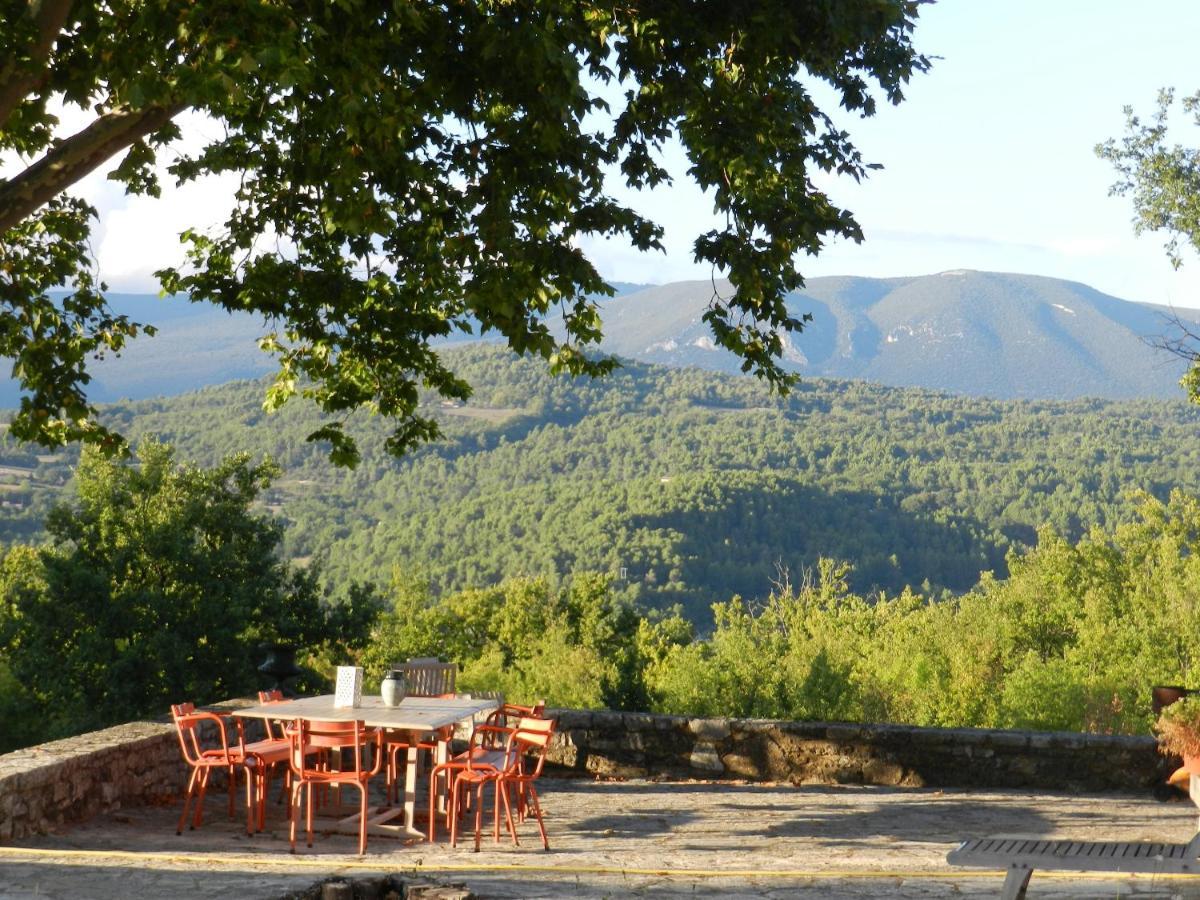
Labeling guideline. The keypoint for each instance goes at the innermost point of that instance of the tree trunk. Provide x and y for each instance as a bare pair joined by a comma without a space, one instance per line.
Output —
75,157
17,82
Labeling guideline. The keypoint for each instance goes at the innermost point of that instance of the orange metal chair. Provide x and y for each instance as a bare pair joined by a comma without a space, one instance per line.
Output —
277,731
255,759
484,754
307,739
508,713
492,735
272,725
529,742
424,676
507,770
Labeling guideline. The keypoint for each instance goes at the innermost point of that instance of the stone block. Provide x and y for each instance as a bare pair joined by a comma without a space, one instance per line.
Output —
373,888
573,719
705,758
600,765
843,732
710,730
564,755
634,741
437,892
883,772
744,765
637,721
1008,740
670,723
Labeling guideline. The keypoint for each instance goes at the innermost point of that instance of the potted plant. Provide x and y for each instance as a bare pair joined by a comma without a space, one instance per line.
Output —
1178,730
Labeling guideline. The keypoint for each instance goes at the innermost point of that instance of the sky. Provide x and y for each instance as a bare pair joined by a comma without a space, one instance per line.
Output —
988,164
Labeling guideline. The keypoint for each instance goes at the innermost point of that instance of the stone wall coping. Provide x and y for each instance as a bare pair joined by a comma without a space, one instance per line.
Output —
46,786
706,728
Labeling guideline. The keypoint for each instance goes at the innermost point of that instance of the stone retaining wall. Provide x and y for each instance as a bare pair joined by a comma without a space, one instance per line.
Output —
139,763
640,745
45,787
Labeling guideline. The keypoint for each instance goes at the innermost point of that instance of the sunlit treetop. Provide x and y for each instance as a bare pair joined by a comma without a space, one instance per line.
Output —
413,169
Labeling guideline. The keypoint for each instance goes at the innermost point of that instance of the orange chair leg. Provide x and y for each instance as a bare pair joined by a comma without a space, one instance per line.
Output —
232,785
537,811
432,811
478,814
455,812
508,817
198,815
308,820
251,787
293,812
187,799
362,821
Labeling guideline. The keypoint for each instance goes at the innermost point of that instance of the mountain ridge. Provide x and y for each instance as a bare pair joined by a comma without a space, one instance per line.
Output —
1003,335
988,334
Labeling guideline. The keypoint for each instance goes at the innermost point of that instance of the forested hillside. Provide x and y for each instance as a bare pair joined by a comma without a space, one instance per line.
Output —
687,486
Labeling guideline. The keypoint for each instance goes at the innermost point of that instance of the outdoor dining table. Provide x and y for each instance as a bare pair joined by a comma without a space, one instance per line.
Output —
416,715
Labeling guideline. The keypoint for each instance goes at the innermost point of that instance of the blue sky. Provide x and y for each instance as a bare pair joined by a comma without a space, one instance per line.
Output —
989,161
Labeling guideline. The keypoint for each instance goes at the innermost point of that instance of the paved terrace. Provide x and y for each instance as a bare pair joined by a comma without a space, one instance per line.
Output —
632,838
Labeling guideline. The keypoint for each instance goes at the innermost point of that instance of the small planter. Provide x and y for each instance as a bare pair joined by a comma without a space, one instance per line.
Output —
1163,695
1178,731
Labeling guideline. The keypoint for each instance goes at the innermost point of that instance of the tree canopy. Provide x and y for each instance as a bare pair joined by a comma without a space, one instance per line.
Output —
412,169
1163,180
158,584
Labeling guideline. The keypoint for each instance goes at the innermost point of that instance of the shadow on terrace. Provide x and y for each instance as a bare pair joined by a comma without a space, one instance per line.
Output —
95,816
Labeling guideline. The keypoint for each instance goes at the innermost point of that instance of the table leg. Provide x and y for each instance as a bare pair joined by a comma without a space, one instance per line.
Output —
410,786
442,755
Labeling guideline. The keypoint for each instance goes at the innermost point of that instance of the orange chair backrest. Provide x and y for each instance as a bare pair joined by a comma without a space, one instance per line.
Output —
267,697
187,722
307,736
506,711
534,732
531,736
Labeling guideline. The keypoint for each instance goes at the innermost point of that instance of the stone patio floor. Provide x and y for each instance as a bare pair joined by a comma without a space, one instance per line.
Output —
624,839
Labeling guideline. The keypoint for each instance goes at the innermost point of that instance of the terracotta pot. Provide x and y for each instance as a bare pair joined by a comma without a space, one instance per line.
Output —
1192,764
1164,695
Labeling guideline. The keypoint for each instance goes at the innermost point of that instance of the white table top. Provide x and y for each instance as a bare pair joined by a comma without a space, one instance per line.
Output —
413,713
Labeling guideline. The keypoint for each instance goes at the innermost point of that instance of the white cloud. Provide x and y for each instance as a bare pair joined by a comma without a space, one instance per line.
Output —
142,233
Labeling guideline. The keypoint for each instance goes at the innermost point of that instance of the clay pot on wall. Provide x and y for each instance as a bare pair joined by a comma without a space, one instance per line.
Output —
1164,695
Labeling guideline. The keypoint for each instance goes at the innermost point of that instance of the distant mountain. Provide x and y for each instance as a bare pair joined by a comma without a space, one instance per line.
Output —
197,345
979,333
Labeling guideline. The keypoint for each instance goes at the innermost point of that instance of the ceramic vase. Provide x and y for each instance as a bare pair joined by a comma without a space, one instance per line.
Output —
392,689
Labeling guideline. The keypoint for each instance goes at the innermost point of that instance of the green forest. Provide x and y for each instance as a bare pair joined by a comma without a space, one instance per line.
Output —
672,540
685,487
